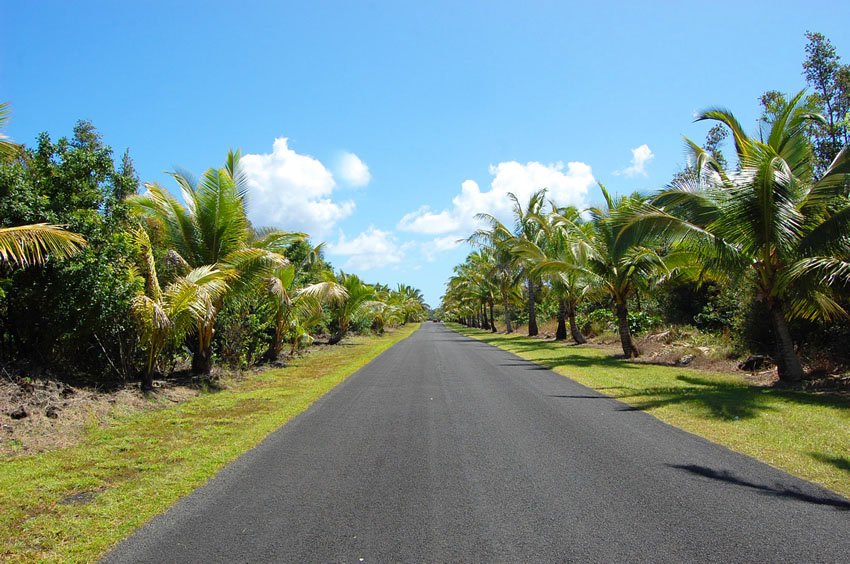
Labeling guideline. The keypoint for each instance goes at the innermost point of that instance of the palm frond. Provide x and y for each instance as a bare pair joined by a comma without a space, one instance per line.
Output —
34,244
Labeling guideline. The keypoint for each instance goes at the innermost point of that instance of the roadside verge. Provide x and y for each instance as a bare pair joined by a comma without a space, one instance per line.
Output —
73,504
806,434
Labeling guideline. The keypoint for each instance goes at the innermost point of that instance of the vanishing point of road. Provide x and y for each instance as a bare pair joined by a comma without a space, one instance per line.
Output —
445,449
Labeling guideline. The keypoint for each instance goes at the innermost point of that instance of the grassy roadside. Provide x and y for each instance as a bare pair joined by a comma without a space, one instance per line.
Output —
805,434
73,504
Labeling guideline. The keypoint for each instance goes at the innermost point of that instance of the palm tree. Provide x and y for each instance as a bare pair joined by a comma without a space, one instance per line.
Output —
213,229
498,242
297,310
8,149
471,290
554,259
359,301
33,244
617,265
769,216
528,228
166,316
410,302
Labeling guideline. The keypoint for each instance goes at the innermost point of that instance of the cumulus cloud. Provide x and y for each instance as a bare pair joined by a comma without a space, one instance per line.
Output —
567,185
292,191
352,170
370,249
424,220
430,249
641,156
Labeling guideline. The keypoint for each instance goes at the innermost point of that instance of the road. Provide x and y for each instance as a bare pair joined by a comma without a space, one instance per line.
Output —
445,449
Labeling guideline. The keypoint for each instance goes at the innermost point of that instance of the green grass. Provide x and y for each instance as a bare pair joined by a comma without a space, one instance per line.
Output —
805,434
73,504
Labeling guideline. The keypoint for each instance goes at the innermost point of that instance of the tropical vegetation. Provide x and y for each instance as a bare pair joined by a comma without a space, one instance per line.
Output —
102,282
773,225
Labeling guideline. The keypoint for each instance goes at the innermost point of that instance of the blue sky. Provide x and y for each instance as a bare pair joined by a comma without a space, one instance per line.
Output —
381,127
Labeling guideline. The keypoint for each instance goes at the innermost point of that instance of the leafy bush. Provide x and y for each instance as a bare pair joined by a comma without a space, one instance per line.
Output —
71,317
243,333
602,320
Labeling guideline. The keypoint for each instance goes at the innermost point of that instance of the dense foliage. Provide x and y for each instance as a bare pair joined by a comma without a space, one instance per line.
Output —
758,248
102,283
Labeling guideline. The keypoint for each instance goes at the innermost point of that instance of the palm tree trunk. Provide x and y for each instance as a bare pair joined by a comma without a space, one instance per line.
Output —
508,327
202,357
485,324
574,330
492,319
336,337
202,361
532,308
147,377
787,362
277,341
630,349
561,333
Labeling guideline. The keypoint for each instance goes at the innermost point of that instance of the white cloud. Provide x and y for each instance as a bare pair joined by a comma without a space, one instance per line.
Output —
424,220
438,245
641,156
291,191
370,249
352,170
567,185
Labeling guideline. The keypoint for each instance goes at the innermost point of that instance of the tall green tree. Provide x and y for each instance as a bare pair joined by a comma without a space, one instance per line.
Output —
558,258
72,316
830,81
528,228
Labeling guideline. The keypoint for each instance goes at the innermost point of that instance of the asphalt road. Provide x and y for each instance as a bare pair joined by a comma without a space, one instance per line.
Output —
445,449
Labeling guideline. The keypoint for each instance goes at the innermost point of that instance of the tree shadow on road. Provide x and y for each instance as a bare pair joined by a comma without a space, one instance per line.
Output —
777,490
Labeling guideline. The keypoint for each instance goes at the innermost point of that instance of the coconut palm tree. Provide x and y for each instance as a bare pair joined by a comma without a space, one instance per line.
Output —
769,216
165,316
470,290
213,229
33,244
614,264
410,302
554,259
8,149
527,227
297,310
498,242
477,280
359,301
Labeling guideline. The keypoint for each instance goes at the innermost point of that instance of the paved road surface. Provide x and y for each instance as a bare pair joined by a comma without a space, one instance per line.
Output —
445,449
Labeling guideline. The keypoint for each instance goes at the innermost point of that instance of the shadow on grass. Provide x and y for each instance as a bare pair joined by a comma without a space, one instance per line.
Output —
731,400
724,401
774,491
840,462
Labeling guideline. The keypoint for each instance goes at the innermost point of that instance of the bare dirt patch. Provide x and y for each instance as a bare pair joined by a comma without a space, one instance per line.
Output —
37,415
671,348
